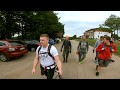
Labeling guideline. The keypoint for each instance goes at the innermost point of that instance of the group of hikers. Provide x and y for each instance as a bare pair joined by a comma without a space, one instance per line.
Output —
48,59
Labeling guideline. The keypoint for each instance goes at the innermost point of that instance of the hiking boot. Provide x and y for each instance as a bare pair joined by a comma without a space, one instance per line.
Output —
97,73
63,61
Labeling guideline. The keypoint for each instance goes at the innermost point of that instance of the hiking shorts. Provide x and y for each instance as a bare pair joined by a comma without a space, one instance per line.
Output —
65,52
103,63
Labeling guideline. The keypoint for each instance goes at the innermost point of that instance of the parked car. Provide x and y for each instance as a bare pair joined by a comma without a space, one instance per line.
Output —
57,40
51,41
32,44
11,48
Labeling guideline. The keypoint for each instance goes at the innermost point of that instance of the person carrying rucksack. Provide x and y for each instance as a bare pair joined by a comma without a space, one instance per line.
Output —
47,57
105,49
82,49
67,48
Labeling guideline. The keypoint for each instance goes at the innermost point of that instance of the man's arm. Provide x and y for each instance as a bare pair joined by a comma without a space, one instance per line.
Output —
62,45
100,48
114,48
59,65
70,46
78,46
87,46
95,45
35,62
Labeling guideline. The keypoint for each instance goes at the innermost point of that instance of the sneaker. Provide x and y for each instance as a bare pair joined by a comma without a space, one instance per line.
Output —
80,62
97,73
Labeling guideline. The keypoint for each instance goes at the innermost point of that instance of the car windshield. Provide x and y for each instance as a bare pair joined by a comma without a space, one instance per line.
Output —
35,41
16,43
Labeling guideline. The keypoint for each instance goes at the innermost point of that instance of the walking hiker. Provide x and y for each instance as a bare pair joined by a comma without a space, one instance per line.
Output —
82,49
105,50
66,48
98,41
47,56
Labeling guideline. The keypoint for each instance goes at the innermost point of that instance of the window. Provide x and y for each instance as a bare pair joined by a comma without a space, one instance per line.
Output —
16,43
2,44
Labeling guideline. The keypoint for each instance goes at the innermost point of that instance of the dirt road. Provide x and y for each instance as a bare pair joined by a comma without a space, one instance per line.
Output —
21,68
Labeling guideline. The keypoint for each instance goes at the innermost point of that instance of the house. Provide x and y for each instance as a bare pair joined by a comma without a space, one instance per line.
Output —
96,33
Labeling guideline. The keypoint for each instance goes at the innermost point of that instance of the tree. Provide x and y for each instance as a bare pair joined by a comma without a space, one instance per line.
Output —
111,24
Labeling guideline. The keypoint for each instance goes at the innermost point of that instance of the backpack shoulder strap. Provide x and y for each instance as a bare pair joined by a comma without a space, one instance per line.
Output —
39,49
80,43
103,46
49,47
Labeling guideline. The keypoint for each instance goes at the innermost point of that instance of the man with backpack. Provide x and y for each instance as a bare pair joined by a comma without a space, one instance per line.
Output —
47,56
67,48
105,49
82,49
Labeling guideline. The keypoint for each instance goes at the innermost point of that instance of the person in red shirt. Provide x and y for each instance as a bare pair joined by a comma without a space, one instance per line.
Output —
105,49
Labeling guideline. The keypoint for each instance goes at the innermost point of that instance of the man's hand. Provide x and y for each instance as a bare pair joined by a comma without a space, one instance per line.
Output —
103,49
60,72
93,50
112,50
33,71
77,52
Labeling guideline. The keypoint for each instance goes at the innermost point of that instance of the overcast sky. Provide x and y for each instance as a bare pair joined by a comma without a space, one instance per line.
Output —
77,22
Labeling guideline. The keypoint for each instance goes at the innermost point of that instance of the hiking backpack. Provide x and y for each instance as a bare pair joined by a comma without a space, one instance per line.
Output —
47,50
110,47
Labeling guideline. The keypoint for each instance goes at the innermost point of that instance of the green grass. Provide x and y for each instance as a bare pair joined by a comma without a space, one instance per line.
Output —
92,42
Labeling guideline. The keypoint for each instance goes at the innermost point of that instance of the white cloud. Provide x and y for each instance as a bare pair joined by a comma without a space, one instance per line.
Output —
77,22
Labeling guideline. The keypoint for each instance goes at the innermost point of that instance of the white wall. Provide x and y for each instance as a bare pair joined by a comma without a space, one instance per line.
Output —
96,34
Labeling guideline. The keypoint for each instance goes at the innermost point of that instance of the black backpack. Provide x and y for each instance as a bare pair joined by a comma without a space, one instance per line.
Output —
47,50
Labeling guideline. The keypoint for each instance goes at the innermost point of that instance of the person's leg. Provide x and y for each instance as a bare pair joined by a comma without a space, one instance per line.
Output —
96,56
42,70
84,55
67,54
50,73
63,55
106,63
99,66
79,54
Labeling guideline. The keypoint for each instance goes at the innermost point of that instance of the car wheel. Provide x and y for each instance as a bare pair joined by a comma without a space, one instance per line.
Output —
32,49
3,57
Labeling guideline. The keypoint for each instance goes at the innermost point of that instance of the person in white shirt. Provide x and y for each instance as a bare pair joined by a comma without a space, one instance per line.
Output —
47,63
98,42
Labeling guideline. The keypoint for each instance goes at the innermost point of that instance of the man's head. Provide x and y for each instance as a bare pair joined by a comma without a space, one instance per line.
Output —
84,37
107,39
67,37
44,39
101,38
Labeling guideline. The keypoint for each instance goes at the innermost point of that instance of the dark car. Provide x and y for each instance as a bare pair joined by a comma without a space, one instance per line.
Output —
11,48
32,44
